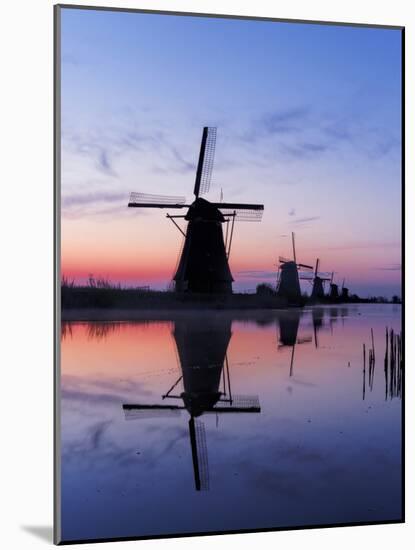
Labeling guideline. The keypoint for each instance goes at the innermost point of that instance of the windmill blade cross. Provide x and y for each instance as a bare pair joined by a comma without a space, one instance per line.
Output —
205,164
145,200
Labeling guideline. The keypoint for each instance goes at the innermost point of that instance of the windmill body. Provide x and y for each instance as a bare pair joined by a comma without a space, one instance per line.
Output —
288,285
288,325
203,266
334,291
202,348
317,292
318,289
289,282
344,297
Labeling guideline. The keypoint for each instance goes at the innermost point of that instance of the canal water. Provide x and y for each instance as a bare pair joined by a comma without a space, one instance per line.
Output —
223,422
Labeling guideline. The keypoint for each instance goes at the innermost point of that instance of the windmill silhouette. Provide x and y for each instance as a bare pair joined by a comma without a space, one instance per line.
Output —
203,265
206,383
334,289
345,292
288,278
318,283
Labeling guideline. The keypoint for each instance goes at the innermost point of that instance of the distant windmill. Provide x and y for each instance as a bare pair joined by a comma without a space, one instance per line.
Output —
318,283
203,265
334,289
206,385
288,280
345,292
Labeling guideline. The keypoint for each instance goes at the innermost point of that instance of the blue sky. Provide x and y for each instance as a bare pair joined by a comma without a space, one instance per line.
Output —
308,120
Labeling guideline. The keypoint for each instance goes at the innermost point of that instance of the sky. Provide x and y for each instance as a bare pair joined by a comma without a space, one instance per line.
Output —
308,123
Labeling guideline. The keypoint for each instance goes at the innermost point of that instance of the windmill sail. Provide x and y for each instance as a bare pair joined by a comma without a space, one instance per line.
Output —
238,404
199,454
137,412
243,214
145,200
205,164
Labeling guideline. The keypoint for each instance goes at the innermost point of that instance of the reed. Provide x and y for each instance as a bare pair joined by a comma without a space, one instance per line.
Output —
393,365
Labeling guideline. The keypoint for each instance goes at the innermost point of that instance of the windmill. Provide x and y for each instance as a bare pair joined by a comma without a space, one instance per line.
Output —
334,289
345,292
203,265
288,280
318,283
206,386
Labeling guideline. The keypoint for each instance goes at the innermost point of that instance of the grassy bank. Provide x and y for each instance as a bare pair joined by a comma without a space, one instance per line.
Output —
78,297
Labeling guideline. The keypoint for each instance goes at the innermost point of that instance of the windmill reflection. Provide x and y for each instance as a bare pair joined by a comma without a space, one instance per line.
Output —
289,323
334,315
205,384
317,314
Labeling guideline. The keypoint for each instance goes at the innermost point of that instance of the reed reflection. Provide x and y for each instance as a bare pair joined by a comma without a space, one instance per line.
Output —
393,365
205,386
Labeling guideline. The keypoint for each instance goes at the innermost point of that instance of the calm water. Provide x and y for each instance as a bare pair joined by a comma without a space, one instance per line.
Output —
232,424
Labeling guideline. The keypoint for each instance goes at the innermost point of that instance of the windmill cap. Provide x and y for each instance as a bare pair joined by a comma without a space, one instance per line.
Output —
198,402
203,209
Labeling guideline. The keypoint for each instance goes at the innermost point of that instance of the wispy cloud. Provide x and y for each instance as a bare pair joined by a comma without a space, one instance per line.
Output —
78,199
185,164
366,244
258,274
104,164
338,130
285,121
304,134
302,150
110,147
391,267
305,220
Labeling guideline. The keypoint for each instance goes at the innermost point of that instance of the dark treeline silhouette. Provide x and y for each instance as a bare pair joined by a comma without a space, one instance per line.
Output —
102,293
108,296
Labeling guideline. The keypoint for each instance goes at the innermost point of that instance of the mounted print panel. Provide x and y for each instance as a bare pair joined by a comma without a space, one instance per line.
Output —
229,274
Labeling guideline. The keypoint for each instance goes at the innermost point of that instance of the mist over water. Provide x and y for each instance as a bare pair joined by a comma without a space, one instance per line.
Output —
264,421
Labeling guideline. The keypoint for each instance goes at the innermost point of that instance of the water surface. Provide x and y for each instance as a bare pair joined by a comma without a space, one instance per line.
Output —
229,424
